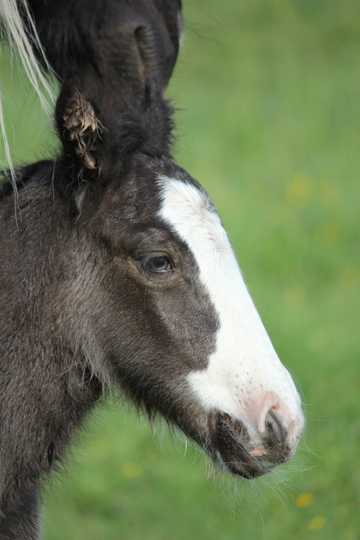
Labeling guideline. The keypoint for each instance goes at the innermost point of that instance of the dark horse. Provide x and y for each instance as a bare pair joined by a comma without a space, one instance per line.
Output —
113,44
115,270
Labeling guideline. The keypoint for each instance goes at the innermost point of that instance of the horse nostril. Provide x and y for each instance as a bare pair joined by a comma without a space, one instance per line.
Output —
274,428
148,50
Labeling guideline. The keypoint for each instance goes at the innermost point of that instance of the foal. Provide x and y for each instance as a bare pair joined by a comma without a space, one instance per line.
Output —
115,269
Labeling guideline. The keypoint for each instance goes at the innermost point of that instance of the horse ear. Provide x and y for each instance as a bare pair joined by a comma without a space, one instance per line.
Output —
80,130
147,129
93,144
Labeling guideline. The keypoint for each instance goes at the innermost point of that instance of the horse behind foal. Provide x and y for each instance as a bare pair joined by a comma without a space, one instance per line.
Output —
115,269
114,45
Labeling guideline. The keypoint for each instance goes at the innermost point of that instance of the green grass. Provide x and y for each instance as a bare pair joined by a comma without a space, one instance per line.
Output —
269,124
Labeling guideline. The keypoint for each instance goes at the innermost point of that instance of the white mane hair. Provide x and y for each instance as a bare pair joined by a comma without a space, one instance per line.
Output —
21,43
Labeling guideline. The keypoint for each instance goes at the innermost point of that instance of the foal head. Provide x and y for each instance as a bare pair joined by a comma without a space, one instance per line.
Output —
159,303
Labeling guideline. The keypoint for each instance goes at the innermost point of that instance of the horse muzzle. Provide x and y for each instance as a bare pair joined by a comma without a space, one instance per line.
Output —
249,453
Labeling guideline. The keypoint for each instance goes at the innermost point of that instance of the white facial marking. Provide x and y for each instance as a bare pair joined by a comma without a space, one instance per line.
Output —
244,377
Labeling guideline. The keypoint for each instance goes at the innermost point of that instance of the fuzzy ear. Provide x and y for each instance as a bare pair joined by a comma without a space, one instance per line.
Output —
94,146
80,130
149,129
156,115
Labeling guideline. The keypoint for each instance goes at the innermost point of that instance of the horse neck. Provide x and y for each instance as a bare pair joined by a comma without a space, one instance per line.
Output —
47,385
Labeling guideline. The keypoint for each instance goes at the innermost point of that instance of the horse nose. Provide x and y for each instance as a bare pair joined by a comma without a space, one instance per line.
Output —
278,425
275,430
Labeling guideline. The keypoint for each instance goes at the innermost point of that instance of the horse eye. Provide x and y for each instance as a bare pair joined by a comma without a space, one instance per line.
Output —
158,264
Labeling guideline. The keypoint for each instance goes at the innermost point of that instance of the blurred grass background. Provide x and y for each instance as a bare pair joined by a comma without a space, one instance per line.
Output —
269,92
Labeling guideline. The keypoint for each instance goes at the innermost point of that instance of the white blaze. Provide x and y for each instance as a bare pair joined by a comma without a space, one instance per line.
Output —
244,377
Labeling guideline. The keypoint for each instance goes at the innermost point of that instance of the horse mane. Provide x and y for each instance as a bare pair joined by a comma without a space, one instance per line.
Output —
22,40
